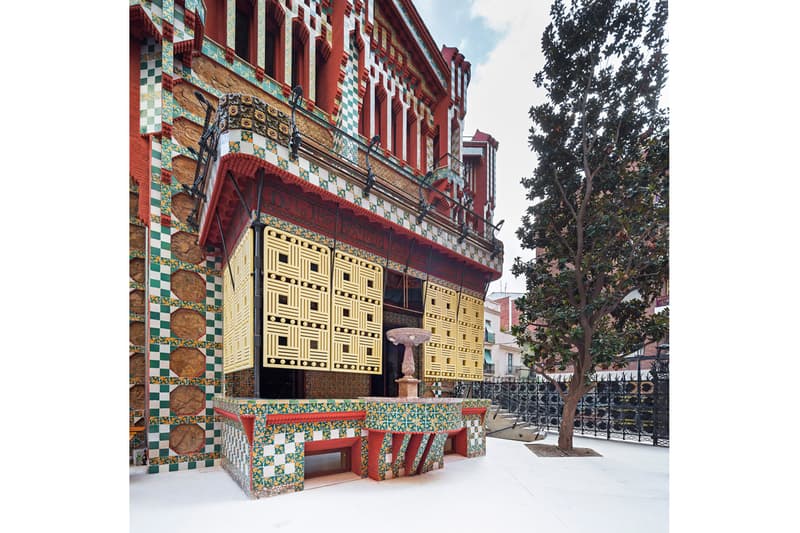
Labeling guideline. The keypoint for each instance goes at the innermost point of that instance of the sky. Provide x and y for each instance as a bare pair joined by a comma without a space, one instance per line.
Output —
503,46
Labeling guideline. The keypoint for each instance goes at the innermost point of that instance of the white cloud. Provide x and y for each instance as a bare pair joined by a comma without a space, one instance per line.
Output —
500,94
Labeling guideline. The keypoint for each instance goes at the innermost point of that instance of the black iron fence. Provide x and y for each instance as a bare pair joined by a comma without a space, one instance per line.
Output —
630,406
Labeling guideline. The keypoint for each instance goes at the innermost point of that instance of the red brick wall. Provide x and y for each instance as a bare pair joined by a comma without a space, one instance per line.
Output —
508,317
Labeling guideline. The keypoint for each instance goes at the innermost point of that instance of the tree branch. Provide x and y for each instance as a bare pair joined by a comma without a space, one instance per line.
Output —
555,383
564,196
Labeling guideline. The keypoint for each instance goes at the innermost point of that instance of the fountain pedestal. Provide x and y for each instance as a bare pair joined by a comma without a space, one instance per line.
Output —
409,337
407,387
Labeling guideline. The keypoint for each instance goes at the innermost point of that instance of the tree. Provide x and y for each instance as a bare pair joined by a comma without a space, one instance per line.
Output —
599,213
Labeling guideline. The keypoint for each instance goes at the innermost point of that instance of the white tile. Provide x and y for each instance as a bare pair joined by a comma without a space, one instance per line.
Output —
280,459
299,437
269,471
334,433
280,438
317,435
289,468
289,448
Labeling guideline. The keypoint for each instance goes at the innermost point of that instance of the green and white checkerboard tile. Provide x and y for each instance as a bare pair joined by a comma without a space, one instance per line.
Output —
167,10
154,11
348,109
182,31
150,88
476,438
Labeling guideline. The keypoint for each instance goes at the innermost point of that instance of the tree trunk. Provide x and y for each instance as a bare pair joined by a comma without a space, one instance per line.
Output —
568,418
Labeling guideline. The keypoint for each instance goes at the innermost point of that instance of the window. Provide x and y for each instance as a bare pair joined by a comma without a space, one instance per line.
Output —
397,129
299,62
244,23
488,332
411,138
379,119
510,363
363,117
271,46
320,81
215,21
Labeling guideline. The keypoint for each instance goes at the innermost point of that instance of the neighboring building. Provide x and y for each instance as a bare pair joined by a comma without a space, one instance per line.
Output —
502,355
509,314
273,243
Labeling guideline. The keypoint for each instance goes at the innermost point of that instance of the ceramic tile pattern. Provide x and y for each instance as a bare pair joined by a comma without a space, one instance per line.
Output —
233,141
150,88
277,452
157,110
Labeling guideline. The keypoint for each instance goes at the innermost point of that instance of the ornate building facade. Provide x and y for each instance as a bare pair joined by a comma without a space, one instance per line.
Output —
299,185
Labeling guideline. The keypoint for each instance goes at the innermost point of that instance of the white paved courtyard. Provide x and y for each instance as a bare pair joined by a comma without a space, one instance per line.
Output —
626,490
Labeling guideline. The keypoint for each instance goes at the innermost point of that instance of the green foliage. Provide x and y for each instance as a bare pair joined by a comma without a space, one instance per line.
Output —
599,213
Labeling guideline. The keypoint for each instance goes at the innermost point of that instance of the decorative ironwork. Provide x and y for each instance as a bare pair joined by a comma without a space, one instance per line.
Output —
205,159
625,407
295,141
370,176
424,207
495,242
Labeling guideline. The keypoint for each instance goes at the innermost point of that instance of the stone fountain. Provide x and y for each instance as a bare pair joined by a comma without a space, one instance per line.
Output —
409,337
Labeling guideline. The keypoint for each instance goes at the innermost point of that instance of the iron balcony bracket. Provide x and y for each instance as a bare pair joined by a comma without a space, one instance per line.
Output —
295,141
370,176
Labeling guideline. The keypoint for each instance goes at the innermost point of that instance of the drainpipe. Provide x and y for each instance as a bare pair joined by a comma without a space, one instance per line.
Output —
258,289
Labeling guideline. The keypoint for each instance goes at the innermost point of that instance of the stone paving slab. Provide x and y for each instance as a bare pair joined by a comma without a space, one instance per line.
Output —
625,490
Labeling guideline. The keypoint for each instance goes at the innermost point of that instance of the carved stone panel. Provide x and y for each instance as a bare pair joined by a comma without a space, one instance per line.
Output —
183,169
137,397
187,362
185,248
137,333
136,269
137,237
137,366
188,324
187,438
187,400
136,299
188,286
182,206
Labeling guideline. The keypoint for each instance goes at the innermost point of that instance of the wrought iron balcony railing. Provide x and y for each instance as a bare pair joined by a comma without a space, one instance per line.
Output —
250,113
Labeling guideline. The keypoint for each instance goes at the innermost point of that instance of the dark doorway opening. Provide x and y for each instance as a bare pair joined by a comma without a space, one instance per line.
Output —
281,384
327,462
384,384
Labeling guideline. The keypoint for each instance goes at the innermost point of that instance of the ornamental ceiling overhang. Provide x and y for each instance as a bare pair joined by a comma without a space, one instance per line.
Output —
301,201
